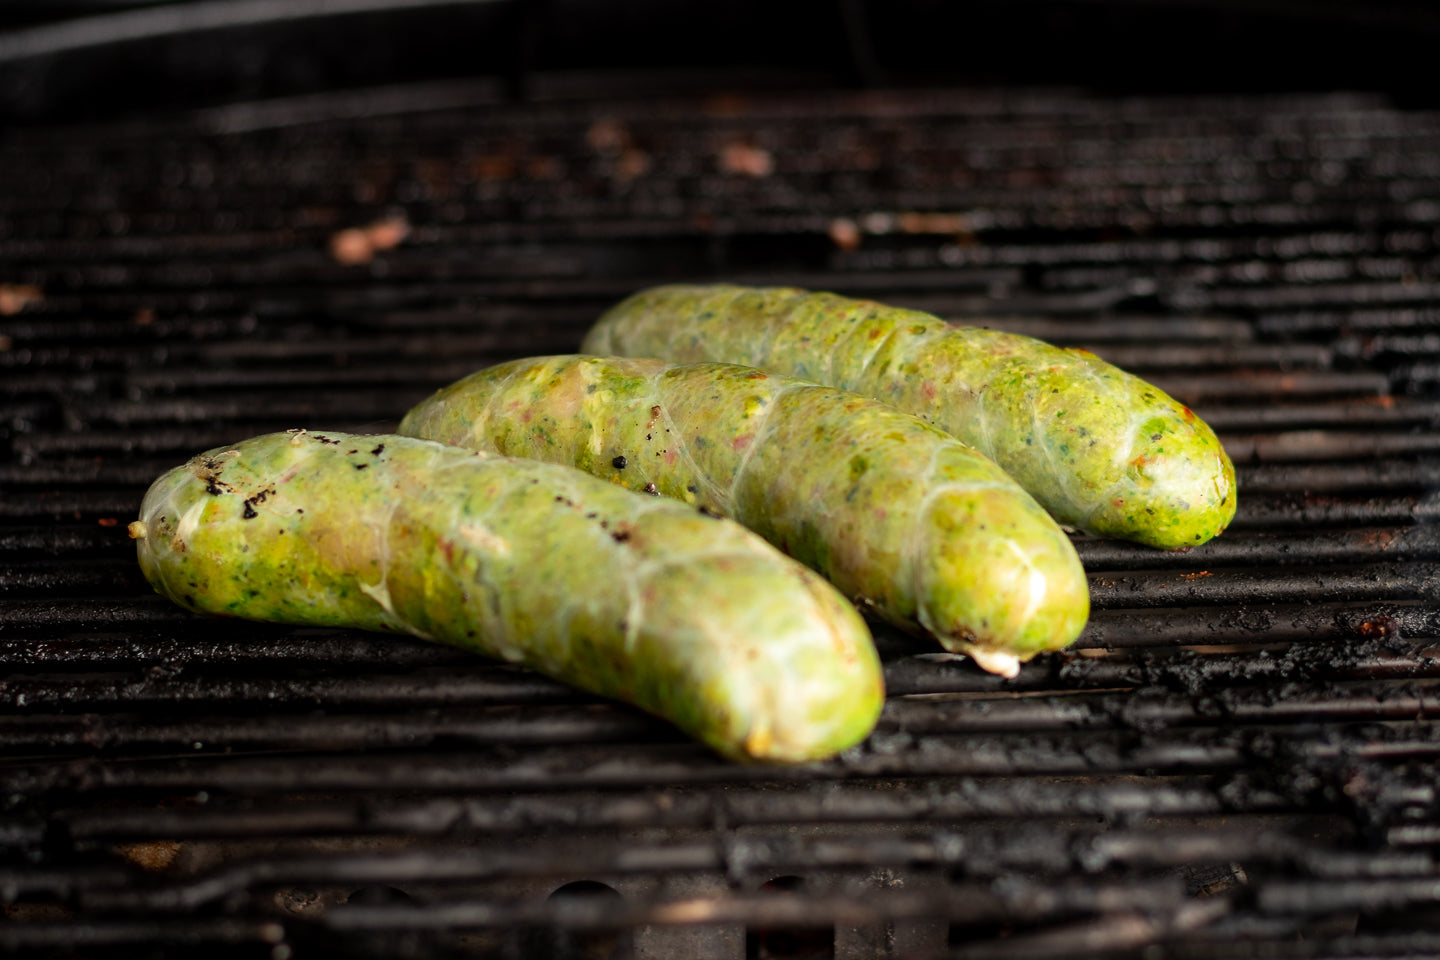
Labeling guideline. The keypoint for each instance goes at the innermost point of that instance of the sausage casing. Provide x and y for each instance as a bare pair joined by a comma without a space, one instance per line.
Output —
906,520
1102,450
637,598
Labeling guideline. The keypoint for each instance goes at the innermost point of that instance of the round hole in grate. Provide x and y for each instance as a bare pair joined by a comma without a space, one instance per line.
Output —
557,942
377,894
791,942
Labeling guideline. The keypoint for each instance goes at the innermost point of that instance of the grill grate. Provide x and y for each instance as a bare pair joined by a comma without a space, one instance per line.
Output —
1238,759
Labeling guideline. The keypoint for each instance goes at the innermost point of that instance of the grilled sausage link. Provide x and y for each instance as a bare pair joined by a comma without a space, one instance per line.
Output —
1101,449
638,598
903,518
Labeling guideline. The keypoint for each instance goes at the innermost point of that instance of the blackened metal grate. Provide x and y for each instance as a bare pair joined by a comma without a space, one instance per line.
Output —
1239,759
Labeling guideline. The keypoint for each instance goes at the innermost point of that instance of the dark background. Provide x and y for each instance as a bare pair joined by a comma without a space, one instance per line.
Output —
188,53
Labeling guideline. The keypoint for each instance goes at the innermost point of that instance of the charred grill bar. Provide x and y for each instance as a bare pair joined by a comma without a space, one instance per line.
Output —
1239,758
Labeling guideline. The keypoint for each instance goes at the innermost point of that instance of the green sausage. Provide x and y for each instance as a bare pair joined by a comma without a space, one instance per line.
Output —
637,598
1102,450
905,519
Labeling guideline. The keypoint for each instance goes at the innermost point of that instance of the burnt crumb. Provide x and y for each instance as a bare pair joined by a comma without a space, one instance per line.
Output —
619,463
250,502
210,469
591,516
565,500
1379,627
351,453
317,436
691,488
189,600
707,511
651,489
620,536
379,449
1156,436
361,466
